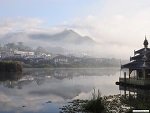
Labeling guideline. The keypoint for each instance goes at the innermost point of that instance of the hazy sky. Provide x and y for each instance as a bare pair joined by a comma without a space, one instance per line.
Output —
116,24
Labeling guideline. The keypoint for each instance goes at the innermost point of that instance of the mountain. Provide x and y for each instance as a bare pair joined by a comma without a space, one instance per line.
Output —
56,50
65,37
63,42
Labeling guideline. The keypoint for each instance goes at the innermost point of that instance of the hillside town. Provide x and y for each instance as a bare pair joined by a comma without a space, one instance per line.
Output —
39,57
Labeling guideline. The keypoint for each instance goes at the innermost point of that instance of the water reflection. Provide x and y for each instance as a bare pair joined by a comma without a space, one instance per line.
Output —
131,99
136,98
30,92
11,76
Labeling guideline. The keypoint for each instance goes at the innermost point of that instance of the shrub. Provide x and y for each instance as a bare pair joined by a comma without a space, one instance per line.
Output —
10,66
94,105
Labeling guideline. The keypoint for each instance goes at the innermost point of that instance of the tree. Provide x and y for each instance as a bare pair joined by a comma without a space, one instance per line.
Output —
39,50
22,47
11,46
20,44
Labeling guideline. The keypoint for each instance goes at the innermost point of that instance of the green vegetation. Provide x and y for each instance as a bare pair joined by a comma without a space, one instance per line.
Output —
142,102
84,63
41,66
94,105
97,63
106,104
10,66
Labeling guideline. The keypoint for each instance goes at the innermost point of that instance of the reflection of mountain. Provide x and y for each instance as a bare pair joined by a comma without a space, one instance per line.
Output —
69,73
63,92
23,81
45,77
38,86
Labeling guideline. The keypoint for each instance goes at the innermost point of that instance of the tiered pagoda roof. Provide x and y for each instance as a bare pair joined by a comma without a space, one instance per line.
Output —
141,58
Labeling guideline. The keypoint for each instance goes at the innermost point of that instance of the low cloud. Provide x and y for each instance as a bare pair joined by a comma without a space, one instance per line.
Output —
19,23
114,35
119,26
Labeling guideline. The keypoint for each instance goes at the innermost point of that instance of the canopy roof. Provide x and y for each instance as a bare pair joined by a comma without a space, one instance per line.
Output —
141,51
136,65
140,57
141,60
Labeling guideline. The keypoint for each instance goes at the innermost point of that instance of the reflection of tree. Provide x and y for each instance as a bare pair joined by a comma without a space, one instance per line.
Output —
70,73
40,75
9,79
11,76
73,72
22,83
9,84
19,87
40,80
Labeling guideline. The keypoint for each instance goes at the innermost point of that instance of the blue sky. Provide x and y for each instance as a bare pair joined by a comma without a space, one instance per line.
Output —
54,11
115,24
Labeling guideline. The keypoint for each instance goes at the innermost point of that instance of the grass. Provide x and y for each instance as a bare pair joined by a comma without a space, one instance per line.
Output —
94,105
98,104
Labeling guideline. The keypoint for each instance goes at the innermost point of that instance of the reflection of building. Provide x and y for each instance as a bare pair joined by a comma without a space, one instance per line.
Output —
61,59
126,90
62,75
139,68
136,98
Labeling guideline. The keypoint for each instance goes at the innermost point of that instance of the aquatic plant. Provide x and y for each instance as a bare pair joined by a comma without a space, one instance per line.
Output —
94,105
99,104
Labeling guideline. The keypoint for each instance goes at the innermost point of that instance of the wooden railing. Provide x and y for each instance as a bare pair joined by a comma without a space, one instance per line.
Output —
135,81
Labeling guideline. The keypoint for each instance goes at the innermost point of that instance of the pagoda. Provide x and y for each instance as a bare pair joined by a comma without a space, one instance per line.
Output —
138,68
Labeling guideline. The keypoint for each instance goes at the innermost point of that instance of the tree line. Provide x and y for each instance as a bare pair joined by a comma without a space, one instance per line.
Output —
21,47
10,66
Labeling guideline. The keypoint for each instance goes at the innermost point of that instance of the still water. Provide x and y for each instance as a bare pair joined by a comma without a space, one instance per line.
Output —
46,90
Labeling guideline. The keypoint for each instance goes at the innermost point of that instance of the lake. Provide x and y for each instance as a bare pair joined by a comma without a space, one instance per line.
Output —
46,90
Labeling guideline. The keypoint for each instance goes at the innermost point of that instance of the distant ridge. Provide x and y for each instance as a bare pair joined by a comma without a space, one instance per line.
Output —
66,36
66,41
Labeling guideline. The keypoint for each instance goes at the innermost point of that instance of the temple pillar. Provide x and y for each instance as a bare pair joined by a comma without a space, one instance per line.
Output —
130,71
124,77
144,73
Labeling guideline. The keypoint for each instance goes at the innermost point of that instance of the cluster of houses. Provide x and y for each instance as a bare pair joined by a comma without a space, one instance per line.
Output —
31,57
34,58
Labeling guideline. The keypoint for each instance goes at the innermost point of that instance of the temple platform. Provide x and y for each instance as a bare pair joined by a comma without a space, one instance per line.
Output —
139,83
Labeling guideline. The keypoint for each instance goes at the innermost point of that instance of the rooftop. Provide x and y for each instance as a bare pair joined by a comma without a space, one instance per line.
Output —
141,58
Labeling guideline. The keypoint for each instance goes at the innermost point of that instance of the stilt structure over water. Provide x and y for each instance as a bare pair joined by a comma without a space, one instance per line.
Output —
138,68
